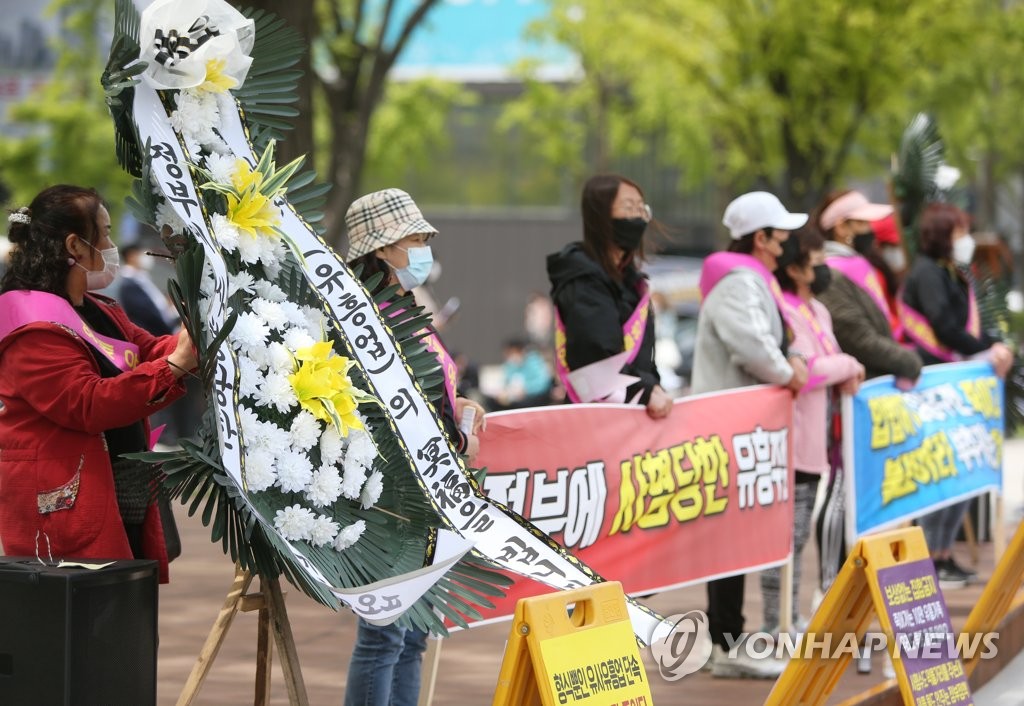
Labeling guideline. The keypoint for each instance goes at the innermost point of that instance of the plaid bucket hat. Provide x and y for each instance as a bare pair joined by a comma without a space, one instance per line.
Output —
382,218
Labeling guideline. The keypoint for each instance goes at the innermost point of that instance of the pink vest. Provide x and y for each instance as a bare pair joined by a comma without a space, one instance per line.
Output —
22,307
632,336
718,265
918,330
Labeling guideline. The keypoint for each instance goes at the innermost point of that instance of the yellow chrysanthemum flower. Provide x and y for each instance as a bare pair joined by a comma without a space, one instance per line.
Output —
216,80
250,210
324,389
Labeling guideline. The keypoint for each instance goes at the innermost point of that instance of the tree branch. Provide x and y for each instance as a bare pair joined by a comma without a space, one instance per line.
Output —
357,21
414,20
385,20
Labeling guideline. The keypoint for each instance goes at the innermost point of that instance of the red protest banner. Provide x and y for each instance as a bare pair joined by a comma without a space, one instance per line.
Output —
654,504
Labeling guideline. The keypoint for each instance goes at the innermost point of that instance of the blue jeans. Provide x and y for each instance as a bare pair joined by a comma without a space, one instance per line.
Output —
385,666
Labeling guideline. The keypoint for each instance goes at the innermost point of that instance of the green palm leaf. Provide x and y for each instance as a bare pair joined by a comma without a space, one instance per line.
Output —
920,155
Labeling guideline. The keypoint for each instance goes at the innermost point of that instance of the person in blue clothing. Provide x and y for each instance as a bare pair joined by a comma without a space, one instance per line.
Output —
527,377
388,235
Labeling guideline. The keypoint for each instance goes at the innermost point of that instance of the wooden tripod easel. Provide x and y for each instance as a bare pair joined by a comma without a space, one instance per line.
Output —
273,618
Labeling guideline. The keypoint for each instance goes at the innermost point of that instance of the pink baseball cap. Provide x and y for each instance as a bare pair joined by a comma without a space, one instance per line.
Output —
853,206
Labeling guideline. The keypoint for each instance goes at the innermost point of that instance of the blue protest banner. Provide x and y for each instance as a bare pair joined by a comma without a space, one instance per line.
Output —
908,453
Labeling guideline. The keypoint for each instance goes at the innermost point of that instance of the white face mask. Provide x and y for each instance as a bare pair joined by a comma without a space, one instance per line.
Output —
421,259
895,258
100,279
963,249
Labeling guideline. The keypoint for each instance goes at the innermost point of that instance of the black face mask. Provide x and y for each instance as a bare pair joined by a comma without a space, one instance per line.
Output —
863,241
790,252
822,279
628,232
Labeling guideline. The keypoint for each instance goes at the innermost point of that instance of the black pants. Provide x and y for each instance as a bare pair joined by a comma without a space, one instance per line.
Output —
725,609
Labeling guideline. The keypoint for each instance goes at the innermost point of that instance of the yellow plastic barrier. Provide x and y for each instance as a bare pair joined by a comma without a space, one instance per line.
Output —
885,575
588,657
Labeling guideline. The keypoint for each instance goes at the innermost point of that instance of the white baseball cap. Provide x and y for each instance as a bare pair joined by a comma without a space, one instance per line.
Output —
759,209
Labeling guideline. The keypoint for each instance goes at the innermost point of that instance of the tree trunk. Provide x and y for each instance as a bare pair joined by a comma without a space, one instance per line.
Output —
348,155
299,15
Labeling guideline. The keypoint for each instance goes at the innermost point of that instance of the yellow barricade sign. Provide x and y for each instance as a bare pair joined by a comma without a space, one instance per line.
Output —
589,657
889,576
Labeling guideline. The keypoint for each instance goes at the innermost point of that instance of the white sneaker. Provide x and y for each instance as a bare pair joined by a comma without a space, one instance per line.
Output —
864,664
742,666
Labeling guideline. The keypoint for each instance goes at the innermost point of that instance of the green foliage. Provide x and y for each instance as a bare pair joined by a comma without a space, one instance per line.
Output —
66,132
984,86
795,95
409,130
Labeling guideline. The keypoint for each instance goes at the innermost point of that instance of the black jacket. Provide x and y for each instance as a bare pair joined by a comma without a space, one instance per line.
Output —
593,308
940,294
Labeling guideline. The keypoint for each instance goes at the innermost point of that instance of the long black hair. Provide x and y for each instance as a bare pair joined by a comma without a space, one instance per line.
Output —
596,205
39,259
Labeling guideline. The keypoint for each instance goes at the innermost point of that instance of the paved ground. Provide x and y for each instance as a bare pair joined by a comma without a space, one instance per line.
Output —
469,660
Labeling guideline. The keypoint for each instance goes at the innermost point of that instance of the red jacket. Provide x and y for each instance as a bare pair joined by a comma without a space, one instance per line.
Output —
55,474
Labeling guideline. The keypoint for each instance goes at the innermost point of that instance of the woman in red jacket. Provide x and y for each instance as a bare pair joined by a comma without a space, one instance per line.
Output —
77,380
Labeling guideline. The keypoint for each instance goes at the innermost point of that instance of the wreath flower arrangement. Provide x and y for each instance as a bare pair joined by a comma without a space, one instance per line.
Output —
323,482
308,462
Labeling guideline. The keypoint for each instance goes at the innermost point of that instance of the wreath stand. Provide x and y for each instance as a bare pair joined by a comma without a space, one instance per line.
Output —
273,619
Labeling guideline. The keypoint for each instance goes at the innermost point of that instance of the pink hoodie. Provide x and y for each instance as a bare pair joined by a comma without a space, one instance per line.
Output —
810,410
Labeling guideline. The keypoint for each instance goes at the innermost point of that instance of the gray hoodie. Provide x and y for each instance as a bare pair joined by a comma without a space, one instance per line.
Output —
739,336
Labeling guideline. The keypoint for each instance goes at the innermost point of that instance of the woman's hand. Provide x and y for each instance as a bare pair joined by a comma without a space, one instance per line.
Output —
479,421
472,448
183,359
852,384
660,404
1001,357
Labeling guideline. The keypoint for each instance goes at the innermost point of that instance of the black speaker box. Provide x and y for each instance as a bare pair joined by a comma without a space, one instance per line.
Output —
78,637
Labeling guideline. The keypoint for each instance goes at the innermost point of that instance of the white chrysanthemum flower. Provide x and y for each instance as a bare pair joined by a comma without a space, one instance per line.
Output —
305,431
199,107
270,312
350,535
270,291
221,167
355,476
325,487
314,319
250,377
294,471
167,216
332,446
193,146
249,332
277,392
176,120
268,248
372,490
297,339
225,232
323,532
248,424
259,469
360,447
280,359
206,285
295,523
241,281
275,437
248,249
295,315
